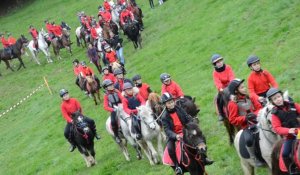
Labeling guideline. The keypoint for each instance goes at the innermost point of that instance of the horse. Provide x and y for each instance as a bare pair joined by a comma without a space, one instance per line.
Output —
124,132
83,138
267,139
63,43
43,46
150,130
189,105
16,53
92,88
193,150
132,30
81,37
137,12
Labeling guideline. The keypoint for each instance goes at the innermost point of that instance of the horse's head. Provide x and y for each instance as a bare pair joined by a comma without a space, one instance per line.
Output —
192,136
147,116
23,40
79,123
66,32
155,103
189,106
90,79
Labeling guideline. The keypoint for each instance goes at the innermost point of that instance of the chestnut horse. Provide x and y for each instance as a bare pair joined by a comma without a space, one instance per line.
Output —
92,88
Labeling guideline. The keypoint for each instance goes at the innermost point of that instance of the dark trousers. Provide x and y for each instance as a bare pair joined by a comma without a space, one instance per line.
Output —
220,105
114,123
151,4
77,82
172,153
136,124
287,147
249,137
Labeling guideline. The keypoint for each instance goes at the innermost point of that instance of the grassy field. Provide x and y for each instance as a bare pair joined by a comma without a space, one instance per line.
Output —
179,38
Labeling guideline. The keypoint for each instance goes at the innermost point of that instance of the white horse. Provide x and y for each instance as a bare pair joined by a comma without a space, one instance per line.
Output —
267,139
80,37
126,135
150,130
115,15
43,46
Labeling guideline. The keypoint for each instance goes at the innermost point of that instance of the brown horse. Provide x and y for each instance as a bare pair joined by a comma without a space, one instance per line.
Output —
138,15
92,88
16,53
63,42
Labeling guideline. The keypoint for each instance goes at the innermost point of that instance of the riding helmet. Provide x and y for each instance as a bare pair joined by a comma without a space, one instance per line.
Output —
166,97
106,83
83,63
272,91
164,77
107,47
127,85
76,61
215,58
118,72
136,77
252,59
62,92
104,68
234,84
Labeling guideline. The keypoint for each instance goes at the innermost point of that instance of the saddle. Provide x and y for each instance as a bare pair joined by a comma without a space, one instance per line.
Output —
179,153
294,168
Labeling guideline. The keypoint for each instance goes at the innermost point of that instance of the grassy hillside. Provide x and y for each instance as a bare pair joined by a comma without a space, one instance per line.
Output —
179,38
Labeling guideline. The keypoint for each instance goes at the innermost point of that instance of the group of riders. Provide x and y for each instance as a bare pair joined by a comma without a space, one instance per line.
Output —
242,108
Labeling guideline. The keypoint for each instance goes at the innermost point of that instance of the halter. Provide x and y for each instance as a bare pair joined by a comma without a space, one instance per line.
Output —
85,136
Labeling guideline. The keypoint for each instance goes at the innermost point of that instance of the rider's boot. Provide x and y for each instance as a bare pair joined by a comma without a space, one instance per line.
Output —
251,150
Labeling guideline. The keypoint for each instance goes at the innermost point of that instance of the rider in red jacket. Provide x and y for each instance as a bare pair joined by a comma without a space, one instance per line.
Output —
170,86
87,71
144,88
49,28
35,34
125,15
106,6
108,75
6,45
77,69
68,107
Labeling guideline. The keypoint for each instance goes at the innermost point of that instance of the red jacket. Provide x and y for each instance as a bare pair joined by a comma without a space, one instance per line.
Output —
260,82
177,123
144,91
106,16
11,40
68,107
126,14
277,126
106,102
222,79
233,112
77,70
87,71
106,6
121,2
4,42
173,88
94,33
110,76
57,30
34,33
49,28
111,56
125,104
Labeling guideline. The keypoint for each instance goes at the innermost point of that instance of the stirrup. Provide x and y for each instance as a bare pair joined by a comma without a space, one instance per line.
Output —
178,171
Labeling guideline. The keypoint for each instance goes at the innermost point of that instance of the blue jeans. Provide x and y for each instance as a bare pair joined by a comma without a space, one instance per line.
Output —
120,56
287,147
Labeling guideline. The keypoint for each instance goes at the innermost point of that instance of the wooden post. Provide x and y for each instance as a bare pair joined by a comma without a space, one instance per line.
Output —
46,82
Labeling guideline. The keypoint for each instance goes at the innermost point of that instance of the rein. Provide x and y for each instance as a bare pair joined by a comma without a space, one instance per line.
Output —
85,136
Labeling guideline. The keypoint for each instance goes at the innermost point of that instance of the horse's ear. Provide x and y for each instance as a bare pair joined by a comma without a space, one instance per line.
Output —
194,99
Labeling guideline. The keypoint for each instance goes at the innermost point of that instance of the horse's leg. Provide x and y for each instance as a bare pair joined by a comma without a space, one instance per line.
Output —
229,130
78,41
153,152
94,97
135,44
21,63
146,150
8,65
159,144
98,95
140,40
36,57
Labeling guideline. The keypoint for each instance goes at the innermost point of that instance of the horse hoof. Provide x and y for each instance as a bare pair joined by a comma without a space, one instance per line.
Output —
139,157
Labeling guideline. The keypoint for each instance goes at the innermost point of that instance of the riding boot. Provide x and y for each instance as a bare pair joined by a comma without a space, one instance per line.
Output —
116,135
251,152
288,163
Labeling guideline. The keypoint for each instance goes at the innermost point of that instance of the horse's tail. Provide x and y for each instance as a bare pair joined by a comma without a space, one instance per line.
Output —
275,158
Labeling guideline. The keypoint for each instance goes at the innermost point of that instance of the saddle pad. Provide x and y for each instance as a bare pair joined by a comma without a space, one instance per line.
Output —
295,157
166,157
281,162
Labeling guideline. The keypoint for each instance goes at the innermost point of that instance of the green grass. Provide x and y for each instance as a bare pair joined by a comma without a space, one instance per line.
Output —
179,38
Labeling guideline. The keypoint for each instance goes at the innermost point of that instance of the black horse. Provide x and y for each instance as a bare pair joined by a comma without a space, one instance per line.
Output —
83,138
132,30
16,52
193,150
190,107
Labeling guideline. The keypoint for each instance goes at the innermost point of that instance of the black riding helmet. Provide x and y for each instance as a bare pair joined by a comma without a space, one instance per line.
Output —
76,61
118,72
252,59
271,92
136,77
215,58
106,83
62,92
104,68
164,77
127,85
234,84
166,97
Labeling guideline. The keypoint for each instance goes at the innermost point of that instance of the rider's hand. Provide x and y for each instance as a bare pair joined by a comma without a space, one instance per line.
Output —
261,99
178,137
292,130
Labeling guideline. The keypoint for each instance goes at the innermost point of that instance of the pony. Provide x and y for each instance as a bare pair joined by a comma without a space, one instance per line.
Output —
63,43
132,30
43,46
267,139
189,105
193,150
124,132
16,53
92,88
81,36
84,138
150,130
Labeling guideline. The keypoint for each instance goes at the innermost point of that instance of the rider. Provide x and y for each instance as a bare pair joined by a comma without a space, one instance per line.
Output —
6,46
108,75
259,80
170,86
49,28
144,88
57,30
77,69
222,76
11,40
69,106
106,6
116,43
94,57
106,16
94,35
130,101
285,122
112,98
35,34
173,120
110,55
242,112
125,16
120,79
87,71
